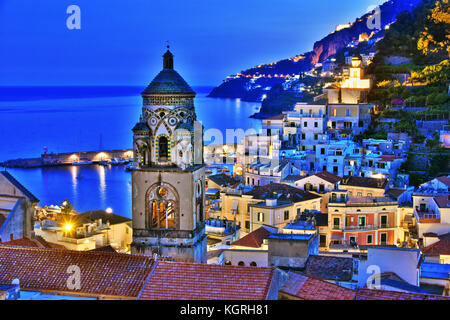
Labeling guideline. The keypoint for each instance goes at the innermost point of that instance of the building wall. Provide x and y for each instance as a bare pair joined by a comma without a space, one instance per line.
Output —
400,261
247,256
359,192
316,182
17,224
291,253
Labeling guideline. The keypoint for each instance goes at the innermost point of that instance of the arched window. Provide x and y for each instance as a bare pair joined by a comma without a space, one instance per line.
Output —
228,263
163,145
241,263
253,264
161,207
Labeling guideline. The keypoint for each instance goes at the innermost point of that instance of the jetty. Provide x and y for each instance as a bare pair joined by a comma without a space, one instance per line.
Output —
68,158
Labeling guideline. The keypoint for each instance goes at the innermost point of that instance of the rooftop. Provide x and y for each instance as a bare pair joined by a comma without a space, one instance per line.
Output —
445,180
442,247
92,216
189,281
19,186
36,242
291,236
307,288
254,239
282,192
329,268
364,182
327,176
103,274
368,294
168,81
223,180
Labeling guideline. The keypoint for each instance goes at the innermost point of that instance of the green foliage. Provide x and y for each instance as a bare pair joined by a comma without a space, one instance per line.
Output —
438,163
416,179
435,39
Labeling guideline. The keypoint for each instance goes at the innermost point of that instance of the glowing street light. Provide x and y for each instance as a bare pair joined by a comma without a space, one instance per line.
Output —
109,210
68,227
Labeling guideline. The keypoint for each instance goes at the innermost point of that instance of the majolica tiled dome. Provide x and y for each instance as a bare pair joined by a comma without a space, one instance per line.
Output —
168,81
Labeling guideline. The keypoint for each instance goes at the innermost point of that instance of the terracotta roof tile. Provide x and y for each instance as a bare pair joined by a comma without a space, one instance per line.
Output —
329,268
368,294
364,182
307,288
395,192
254,239
386,157
286,192
440,247
327,176
189,281
37,242
107,248
102,274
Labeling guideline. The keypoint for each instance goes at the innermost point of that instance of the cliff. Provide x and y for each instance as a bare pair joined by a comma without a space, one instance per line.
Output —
253,84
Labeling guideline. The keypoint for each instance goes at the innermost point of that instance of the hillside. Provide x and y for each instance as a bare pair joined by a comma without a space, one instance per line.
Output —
255,83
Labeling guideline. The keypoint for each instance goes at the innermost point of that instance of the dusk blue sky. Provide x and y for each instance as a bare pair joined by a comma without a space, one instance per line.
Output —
121,42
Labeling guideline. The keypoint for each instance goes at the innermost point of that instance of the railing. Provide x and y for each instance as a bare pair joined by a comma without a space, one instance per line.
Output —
367,226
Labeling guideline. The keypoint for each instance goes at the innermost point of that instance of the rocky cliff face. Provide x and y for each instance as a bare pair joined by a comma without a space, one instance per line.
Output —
336,41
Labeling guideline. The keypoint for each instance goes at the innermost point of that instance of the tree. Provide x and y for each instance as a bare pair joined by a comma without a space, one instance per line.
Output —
66,210
435,39
438,163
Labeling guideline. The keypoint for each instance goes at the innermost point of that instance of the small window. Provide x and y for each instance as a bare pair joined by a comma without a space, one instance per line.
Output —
286,215
305,124
336,223
253,264
260,217
359,194
241,263
316,124
228,263
369,239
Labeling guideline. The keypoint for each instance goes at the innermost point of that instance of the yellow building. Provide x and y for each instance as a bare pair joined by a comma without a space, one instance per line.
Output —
274,205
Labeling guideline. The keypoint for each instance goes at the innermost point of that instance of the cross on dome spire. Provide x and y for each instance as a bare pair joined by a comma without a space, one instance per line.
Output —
168,58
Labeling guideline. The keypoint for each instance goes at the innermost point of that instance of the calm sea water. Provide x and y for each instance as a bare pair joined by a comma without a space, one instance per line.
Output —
86,119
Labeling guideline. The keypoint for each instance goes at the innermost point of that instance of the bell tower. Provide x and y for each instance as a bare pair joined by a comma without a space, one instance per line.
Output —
168,178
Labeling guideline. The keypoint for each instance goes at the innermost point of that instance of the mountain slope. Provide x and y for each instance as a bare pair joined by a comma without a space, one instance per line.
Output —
252,84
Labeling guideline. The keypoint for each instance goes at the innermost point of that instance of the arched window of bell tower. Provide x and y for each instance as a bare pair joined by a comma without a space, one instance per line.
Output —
163,148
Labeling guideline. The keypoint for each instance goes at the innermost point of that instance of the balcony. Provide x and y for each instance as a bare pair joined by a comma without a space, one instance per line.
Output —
427,216
365,227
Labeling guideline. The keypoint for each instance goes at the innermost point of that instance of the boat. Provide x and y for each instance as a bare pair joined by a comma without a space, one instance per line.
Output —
82,162
104,163
118,162
129,167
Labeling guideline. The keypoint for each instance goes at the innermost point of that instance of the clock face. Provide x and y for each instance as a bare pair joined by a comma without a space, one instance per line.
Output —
153,121
173,121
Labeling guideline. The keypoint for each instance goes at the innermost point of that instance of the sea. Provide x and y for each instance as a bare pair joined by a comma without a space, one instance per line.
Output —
74,119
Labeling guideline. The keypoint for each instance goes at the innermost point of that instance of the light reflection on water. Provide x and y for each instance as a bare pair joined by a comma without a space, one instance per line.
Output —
92,187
